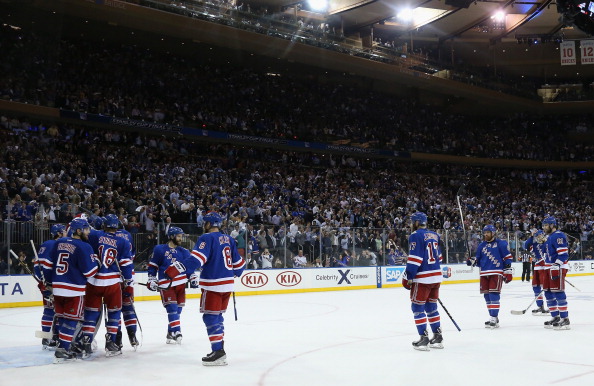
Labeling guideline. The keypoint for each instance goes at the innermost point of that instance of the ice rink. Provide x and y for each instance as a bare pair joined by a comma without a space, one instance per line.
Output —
357,337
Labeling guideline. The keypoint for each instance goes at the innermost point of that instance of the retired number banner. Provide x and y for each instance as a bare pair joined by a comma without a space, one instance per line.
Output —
568,54
587,50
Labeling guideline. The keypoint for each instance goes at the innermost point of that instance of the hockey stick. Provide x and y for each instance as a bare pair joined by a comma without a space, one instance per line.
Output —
515,312
460,191
37,262
447,312
234,306
568,282
25,266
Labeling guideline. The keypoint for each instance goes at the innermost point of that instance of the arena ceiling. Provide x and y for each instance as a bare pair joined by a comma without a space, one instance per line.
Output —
438,21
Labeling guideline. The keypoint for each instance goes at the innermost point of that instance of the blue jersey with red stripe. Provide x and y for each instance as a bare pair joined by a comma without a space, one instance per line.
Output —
43,259
493,256
71,264
163,257
114,255
539,251
557,249
128,236
216,253
424,257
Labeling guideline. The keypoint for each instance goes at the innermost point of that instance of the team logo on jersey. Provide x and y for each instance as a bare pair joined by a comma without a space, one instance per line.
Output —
288,278
446,272
254,280
393,274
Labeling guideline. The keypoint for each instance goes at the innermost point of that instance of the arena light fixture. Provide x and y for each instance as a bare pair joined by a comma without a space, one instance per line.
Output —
318,5
405,15
499,17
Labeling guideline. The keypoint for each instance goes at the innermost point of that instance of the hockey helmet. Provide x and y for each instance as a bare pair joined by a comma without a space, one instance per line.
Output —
489,228
98,224
549,221
420,217
111,221
79,223
174,231
213,218
57,228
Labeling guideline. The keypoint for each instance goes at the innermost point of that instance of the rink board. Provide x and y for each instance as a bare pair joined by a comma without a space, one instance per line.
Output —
21,290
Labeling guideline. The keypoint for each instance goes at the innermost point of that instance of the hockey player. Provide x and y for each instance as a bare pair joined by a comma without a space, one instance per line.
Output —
106,286
57,231
535,244
173,292
128,310
72,262
494,259
556,268
217,255
422,277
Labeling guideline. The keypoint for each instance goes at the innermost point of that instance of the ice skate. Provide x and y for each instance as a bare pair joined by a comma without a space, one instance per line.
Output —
118,340
112,349
492,323
422,343
436,341
562,324
174,337
215,358
86,347
540,311
549,323
61,356
49,344
132,337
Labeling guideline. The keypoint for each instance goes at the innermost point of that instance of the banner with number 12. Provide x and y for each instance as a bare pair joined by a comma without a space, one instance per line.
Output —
587,51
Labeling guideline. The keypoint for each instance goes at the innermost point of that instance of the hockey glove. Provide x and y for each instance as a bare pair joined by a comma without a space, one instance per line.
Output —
151,283
555,272
507,275
194,281
471,261
128,288
175,269
405,282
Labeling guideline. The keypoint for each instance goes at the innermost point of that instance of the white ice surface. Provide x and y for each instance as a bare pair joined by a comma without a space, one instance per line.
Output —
328,338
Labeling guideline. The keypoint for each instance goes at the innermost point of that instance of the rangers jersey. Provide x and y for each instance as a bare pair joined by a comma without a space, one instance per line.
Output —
163,257
71,262
114,256
493,256
557,249
44,260
216,253
128,236
539,252
424,257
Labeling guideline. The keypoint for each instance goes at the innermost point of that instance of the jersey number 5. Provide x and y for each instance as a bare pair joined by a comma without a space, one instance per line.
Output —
432,252
62,264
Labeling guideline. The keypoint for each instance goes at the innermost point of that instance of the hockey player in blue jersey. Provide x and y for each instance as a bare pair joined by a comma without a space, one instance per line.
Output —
217,255
57,231
128,310
556,267
173,292
72,263
422,277
494,259
106,286
536,245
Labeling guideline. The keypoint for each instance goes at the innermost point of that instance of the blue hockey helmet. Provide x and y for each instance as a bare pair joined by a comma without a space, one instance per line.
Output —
213,218
111,221
57,228
420,217
98,224
489,228
174,231
540,236
78,223
549,221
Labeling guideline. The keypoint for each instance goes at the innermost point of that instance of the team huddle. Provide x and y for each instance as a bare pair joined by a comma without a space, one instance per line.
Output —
86,273
422,276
